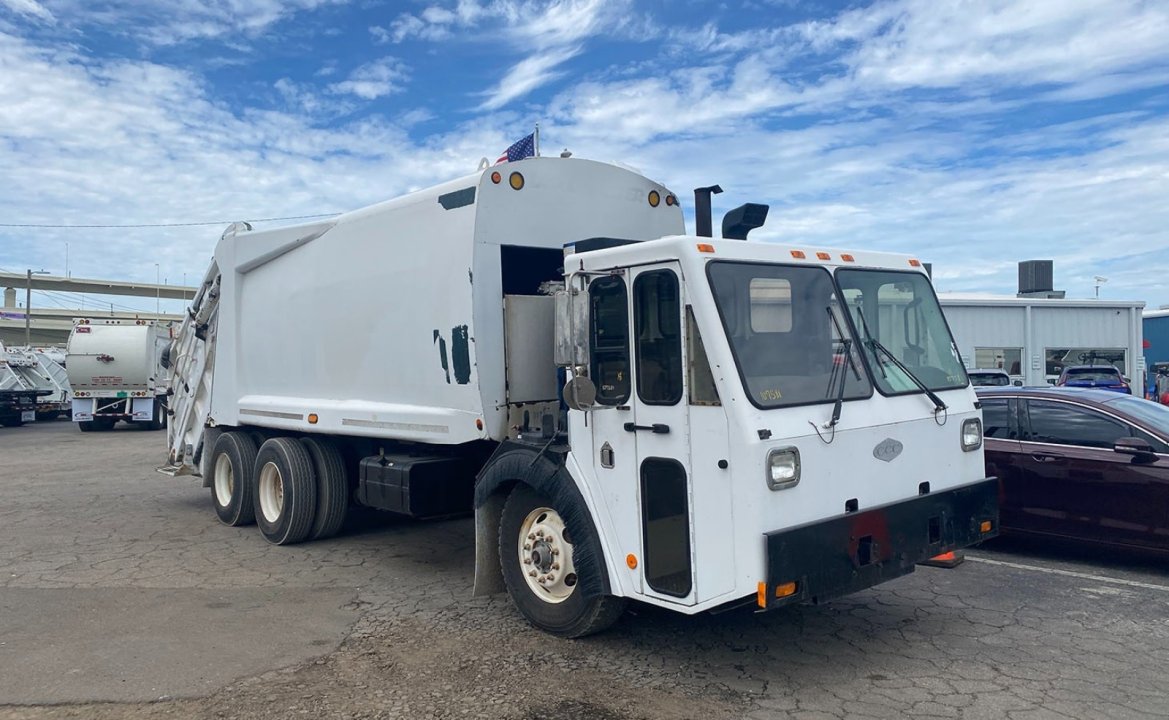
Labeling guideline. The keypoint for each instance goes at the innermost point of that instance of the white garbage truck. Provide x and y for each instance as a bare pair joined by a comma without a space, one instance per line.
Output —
631,413
116,372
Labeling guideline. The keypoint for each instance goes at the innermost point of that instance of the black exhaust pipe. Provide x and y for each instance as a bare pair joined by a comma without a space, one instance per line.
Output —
702,223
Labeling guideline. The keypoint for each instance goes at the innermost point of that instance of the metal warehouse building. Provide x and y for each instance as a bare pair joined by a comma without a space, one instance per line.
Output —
1035,335
1156,329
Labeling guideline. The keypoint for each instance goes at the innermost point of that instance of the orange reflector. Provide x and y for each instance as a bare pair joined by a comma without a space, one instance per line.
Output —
785,590
312,418
761,595
478,424
944,557
705,247
798,254
496,177
823,256
654,198
516,180
986,526
847,258
915,263
631,561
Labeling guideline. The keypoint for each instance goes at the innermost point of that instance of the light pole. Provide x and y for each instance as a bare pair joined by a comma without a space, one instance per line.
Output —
28,304
157,291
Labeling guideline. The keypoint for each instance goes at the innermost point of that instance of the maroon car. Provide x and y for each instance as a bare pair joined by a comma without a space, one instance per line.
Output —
1089,465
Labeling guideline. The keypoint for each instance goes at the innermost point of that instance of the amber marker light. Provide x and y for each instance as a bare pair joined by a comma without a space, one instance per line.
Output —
655,198
496,177
312,418
761,595
631,561
705,247
986,526
516,181
478,423
915,263
847,258
671,200
823,256
785,590
798,254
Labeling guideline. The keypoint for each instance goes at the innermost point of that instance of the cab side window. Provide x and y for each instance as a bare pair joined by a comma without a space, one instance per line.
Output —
657,327
609,339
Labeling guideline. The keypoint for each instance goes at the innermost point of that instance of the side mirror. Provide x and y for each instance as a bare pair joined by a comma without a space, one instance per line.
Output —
1140,450
572,328
580,393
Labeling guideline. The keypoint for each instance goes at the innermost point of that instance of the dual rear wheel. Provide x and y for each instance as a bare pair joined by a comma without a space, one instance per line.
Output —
293,489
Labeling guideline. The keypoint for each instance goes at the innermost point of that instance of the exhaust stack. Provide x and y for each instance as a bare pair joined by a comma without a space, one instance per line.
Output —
702,224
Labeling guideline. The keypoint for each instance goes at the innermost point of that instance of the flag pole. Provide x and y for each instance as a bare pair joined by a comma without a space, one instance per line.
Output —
537,138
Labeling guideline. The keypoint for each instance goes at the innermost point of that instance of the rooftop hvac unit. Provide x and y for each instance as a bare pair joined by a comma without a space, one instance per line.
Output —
1036,276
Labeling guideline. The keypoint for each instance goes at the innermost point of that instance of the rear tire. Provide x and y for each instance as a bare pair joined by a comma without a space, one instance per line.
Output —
557,606
158,422
233,461
286,491
332,488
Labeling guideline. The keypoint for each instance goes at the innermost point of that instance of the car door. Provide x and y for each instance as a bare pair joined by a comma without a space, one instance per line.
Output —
1000,431
1076,485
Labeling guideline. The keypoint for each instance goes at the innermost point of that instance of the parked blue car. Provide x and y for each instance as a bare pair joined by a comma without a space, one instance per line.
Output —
1101,377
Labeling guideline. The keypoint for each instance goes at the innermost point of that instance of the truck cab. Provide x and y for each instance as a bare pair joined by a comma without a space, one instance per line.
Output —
763,423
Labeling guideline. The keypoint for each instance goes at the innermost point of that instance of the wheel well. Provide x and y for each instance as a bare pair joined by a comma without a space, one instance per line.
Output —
511,464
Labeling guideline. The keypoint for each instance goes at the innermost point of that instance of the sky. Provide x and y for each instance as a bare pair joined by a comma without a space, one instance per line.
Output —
972,134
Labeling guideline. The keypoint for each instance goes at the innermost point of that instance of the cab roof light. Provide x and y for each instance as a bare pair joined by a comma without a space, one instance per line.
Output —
798,254
914,262
847,258
705,248
823,256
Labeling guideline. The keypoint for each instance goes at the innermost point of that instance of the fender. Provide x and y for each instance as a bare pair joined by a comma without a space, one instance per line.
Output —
543,468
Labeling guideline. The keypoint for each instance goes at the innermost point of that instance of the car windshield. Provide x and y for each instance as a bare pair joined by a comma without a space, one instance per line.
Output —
900,311
788,334
1094,374
989,379
1152,414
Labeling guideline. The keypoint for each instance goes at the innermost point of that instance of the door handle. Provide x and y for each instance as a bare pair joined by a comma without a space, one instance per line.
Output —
656,428
1046,458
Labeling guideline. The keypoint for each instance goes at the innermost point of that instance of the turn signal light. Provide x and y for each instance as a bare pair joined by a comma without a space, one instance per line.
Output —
631,561
785,590
312,418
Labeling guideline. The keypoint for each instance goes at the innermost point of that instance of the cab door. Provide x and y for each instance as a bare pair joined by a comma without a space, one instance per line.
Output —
661,431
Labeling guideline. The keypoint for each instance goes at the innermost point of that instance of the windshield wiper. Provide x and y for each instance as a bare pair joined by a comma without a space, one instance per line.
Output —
846,344
876,345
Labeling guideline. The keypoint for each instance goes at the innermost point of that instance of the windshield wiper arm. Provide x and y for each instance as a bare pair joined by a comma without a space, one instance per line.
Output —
876,345
846,343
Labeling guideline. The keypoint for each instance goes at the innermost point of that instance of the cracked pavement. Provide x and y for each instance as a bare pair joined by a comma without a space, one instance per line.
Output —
122,596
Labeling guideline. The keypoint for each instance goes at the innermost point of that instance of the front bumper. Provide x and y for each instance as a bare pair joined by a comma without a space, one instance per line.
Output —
858,550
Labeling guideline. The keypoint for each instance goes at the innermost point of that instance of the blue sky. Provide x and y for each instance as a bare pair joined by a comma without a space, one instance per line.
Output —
971,134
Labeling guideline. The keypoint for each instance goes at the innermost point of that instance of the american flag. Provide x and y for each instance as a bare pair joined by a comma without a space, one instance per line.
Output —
519,150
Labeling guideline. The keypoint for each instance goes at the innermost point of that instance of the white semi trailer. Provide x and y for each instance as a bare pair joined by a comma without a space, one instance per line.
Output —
115,370
741,423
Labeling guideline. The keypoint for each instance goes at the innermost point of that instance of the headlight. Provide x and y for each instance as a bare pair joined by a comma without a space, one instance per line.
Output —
783,468
971,434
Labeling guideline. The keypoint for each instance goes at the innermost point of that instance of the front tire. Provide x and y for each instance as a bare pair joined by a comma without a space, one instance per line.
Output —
286,491
536,557
233,460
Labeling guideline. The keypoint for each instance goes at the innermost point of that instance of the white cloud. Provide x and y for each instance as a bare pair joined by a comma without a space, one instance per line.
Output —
527,75
29,8
374,80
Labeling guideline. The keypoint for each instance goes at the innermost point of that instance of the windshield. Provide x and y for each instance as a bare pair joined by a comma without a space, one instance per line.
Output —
989,379
901,313
1155,415
1093,374
790,340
